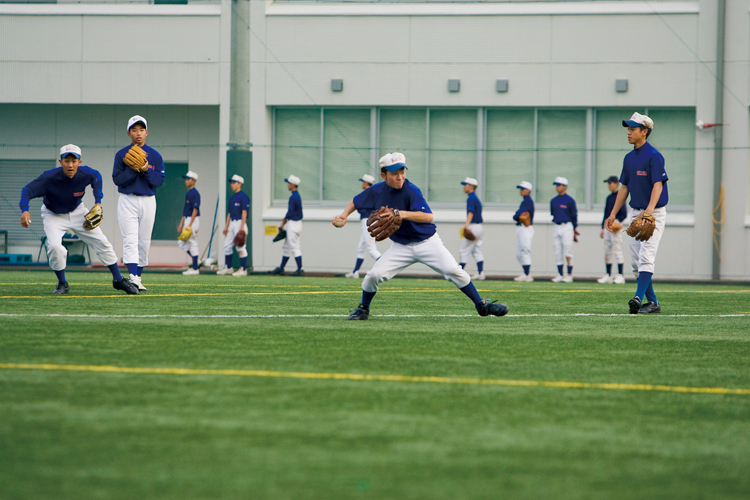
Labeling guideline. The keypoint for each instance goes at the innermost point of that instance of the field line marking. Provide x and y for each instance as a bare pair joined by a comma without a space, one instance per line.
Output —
375,378
240,316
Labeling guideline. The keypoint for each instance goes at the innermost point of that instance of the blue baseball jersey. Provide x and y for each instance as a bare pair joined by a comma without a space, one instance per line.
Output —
408,198
641,169
563,209
192,200
527,205
129,181
237,203
621,215
62,194
474,206
294,209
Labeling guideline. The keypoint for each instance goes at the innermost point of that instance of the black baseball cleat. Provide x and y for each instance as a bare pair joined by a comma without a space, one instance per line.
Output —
278,271
361,312
61,289
650,308
298,272
635,305
489,308
126,285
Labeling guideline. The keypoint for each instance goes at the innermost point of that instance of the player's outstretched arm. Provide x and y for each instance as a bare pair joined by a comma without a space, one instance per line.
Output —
622,195
25,219
340,220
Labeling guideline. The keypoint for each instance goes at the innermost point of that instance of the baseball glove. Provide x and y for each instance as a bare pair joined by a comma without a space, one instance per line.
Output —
525,219
93,218
136,158
185,234
239,239
642,227
469,235
616,226
280,236
383,223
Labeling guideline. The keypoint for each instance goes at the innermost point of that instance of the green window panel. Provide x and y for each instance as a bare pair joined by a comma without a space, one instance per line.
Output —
170,201
453,153
611,147
405,131
510,153
674,137
347,151
297,151
562,152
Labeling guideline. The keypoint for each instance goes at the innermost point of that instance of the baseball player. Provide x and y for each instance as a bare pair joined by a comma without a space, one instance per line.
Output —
190,220
236,222
137,172
415,240
366,242
613,240
63,211
293,222
524,218
473,227
645,180
564,233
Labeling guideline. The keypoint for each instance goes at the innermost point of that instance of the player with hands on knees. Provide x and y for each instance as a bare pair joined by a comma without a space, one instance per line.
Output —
644,179
63,210
400,212
235,228
190,222
524,218
473,230
613,240
293,223
564,232
366,242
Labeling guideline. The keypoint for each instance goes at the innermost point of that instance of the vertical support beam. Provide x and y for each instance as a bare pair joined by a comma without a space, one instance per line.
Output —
718,141
427,157
536,154
322,152
481,146
590,137
373,140
240,88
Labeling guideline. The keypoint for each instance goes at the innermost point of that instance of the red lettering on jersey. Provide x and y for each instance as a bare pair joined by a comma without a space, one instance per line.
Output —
641,172
563,206
79,194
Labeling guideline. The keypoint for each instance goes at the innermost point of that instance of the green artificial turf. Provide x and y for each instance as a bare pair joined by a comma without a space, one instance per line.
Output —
85,434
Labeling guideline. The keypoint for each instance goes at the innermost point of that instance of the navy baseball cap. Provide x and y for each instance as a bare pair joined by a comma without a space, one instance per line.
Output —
612,178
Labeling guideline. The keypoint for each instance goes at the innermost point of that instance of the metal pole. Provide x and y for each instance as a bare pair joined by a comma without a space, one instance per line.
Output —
718,140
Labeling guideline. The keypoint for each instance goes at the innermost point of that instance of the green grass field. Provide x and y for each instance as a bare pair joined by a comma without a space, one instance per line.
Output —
261,393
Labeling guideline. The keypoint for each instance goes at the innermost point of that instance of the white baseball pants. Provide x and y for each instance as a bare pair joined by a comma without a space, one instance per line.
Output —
291,243
191,245
613,247
473,248
430,252
524,237
366,243
56,225
234,228
136,215
643,253
562,240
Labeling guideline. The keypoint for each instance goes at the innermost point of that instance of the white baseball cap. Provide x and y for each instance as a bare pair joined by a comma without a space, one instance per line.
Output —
135,119
562,181
70,149
393,162
470,181
190,175
639,120
237,178
292,179
525,185
368,178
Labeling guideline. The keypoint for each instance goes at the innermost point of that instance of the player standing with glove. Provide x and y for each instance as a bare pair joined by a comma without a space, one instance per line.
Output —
645,180
190,222
366,242
137,172
471,243
524,218
293,222
564,233
235,228
403,215
613,240
63,211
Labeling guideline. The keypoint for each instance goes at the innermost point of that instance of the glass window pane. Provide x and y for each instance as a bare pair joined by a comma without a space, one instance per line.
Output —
297,151
562,152
347,152
674,137
405,131
453,153
510,154
611,147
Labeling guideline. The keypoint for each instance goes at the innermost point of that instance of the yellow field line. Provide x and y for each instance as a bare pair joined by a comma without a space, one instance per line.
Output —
376,378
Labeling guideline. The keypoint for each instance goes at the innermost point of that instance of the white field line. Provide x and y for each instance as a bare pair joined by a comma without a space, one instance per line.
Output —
241,316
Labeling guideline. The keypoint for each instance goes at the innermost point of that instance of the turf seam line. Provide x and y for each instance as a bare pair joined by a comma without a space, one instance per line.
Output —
376,378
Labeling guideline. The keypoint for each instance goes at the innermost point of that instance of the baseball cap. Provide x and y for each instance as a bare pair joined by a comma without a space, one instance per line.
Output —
237,178
525,185
470,181
292,179
70,149
135,119
393,162
612,178
639,120
190,175
368,178
562,181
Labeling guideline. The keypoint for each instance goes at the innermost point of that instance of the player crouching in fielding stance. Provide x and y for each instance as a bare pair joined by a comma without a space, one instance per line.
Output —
403,215
190,222
63,211
644,178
